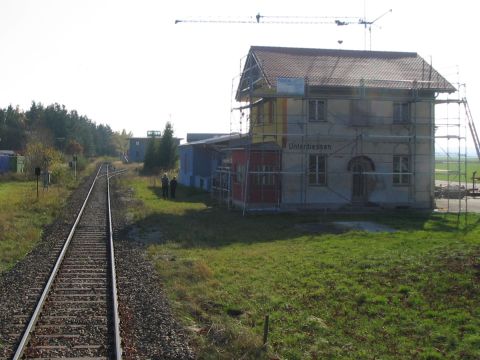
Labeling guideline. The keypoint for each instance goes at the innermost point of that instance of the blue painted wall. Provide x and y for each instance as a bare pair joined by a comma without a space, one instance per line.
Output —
197,165
138,146
4,163
136,149
185,174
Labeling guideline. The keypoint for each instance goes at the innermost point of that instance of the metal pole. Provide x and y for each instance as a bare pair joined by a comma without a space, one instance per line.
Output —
265,330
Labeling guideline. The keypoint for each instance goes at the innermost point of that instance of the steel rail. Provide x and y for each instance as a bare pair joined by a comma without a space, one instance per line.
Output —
46,290
117,172
116,318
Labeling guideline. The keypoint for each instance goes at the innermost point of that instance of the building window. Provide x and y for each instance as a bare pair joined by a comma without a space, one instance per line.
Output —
317,110
360,112
401,113
265,175
260,113
264,112
239,173
137,143
401,170
317,170
271,113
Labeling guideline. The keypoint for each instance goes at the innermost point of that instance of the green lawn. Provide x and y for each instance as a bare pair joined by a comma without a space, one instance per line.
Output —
413,294
22,216
454,168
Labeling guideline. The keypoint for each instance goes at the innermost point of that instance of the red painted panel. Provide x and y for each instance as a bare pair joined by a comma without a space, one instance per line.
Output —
263,182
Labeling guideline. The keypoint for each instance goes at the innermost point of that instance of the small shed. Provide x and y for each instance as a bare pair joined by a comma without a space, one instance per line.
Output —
200,159
136,148
8,161
4,163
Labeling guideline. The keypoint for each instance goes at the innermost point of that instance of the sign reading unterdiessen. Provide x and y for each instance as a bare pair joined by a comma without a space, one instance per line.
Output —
309,147
290,86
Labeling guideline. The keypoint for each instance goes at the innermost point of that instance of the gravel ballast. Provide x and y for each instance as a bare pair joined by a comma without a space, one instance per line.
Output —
21,286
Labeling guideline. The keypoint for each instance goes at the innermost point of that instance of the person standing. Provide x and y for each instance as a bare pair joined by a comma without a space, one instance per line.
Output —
165,186
173,187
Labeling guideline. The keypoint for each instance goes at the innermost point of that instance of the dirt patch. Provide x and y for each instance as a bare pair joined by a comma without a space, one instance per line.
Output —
368,226
338,227
319,228
151,235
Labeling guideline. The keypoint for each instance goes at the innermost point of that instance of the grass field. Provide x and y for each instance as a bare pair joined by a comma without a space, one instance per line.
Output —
413,294
455,168
22,216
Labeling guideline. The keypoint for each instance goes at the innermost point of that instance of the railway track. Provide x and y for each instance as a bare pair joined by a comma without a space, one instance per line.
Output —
77,313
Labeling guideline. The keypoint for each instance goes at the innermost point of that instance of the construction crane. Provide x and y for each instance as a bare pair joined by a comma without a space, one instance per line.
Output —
366,24
292,20
264,19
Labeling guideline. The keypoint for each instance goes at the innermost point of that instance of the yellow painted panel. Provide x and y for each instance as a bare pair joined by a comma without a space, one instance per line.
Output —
272,126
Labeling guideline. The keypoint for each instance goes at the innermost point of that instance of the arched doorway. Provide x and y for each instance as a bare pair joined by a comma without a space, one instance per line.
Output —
361,166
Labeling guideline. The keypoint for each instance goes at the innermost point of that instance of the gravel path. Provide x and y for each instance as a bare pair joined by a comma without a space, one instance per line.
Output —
149,330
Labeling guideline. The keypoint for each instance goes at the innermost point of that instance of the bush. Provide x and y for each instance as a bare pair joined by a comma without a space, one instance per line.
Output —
82,162
61,174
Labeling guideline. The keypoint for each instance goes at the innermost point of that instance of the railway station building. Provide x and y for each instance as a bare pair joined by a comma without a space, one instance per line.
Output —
334,128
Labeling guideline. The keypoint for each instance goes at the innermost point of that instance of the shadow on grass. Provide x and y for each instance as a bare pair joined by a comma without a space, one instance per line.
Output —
184,194
215,226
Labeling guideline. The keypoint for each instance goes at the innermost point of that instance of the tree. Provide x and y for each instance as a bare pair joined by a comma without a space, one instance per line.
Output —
150,162
167,149
12,129
73,148
120,140
42,156
56,126
104,140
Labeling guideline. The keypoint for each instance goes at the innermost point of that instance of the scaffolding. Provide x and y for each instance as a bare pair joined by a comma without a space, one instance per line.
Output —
453,127
409,132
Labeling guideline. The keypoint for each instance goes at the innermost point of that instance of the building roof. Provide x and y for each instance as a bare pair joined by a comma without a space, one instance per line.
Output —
344,68
191,137
215,140
149,137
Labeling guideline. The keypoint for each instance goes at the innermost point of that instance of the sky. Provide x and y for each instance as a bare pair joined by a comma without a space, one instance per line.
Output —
127,64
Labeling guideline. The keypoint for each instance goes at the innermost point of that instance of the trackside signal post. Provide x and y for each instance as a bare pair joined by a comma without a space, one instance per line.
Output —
75,166
37,174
